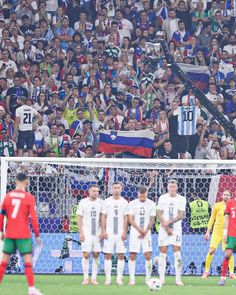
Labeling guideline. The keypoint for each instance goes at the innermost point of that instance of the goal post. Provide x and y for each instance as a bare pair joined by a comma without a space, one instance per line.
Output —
60,183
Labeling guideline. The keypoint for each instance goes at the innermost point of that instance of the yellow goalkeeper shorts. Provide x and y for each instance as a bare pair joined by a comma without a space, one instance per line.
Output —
216,239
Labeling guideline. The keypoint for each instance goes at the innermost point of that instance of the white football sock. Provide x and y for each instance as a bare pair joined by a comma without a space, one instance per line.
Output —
107,268
148,267
85,268
162,267
178,266
120,268
132,270
94,268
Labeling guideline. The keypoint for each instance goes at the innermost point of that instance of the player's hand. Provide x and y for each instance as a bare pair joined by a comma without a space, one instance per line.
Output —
169,231
141,231
124,236
38,241
1,236
225,238
206,237
104,236
165,224
14,137
82,237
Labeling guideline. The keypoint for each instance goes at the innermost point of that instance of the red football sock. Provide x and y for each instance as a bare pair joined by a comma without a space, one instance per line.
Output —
29,274
3,267
225,266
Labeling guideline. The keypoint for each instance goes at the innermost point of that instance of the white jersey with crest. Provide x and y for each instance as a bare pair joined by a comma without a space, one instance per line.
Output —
171,207
142,212
90,211
115,210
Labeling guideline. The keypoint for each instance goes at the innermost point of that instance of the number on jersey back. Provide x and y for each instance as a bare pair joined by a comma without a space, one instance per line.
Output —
187,119
18,206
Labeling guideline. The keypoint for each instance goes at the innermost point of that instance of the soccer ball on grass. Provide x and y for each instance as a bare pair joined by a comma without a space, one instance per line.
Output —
154,285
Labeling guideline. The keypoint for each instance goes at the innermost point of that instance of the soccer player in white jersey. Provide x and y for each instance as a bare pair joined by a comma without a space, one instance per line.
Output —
114,232
170,212
142,213
89,224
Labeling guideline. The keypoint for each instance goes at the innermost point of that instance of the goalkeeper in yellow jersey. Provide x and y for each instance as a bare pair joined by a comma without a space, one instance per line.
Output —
217,219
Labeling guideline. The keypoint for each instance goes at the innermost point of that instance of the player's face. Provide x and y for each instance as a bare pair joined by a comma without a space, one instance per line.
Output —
226,196
143,197
117,188
172,188
93,193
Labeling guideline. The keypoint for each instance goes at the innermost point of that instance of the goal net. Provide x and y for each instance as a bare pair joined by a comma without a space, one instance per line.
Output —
60,184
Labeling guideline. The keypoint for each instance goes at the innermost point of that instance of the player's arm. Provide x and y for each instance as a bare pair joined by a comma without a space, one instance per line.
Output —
162,221
2,215
210,223
103,225
226,225
126,225
133,223
80,214
16,126
100,224
160,211
180,216
150,225
34,220
80,228
104,222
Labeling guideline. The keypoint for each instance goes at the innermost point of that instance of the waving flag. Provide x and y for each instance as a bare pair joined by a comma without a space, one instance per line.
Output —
136,142
198,74
218,184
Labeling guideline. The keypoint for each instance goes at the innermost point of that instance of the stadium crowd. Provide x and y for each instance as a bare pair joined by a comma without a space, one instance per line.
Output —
85,66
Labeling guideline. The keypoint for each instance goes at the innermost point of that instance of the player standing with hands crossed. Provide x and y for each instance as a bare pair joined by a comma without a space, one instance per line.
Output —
114,232
18,205
170,212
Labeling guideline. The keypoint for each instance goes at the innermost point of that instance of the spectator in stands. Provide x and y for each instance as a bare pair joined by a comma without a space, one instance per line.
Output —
170,25
213,150
168,152
7,146
54,143
231,108
181,37
64,33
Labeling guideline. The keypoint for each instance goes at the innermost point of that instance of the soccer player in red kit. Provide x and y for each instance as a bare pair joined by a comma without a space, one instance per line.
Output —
229,236
18,206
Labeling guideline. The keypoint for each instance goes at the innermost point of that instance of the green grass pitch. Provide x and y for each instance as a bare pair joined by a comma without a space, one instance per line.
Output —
71,285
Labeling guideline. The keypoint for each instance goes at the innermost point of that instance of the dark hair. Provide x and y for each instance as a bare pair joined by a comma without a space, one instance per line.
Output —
180,22
61,125
45,101
114,23
142,190
129,45
21,177
167,141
